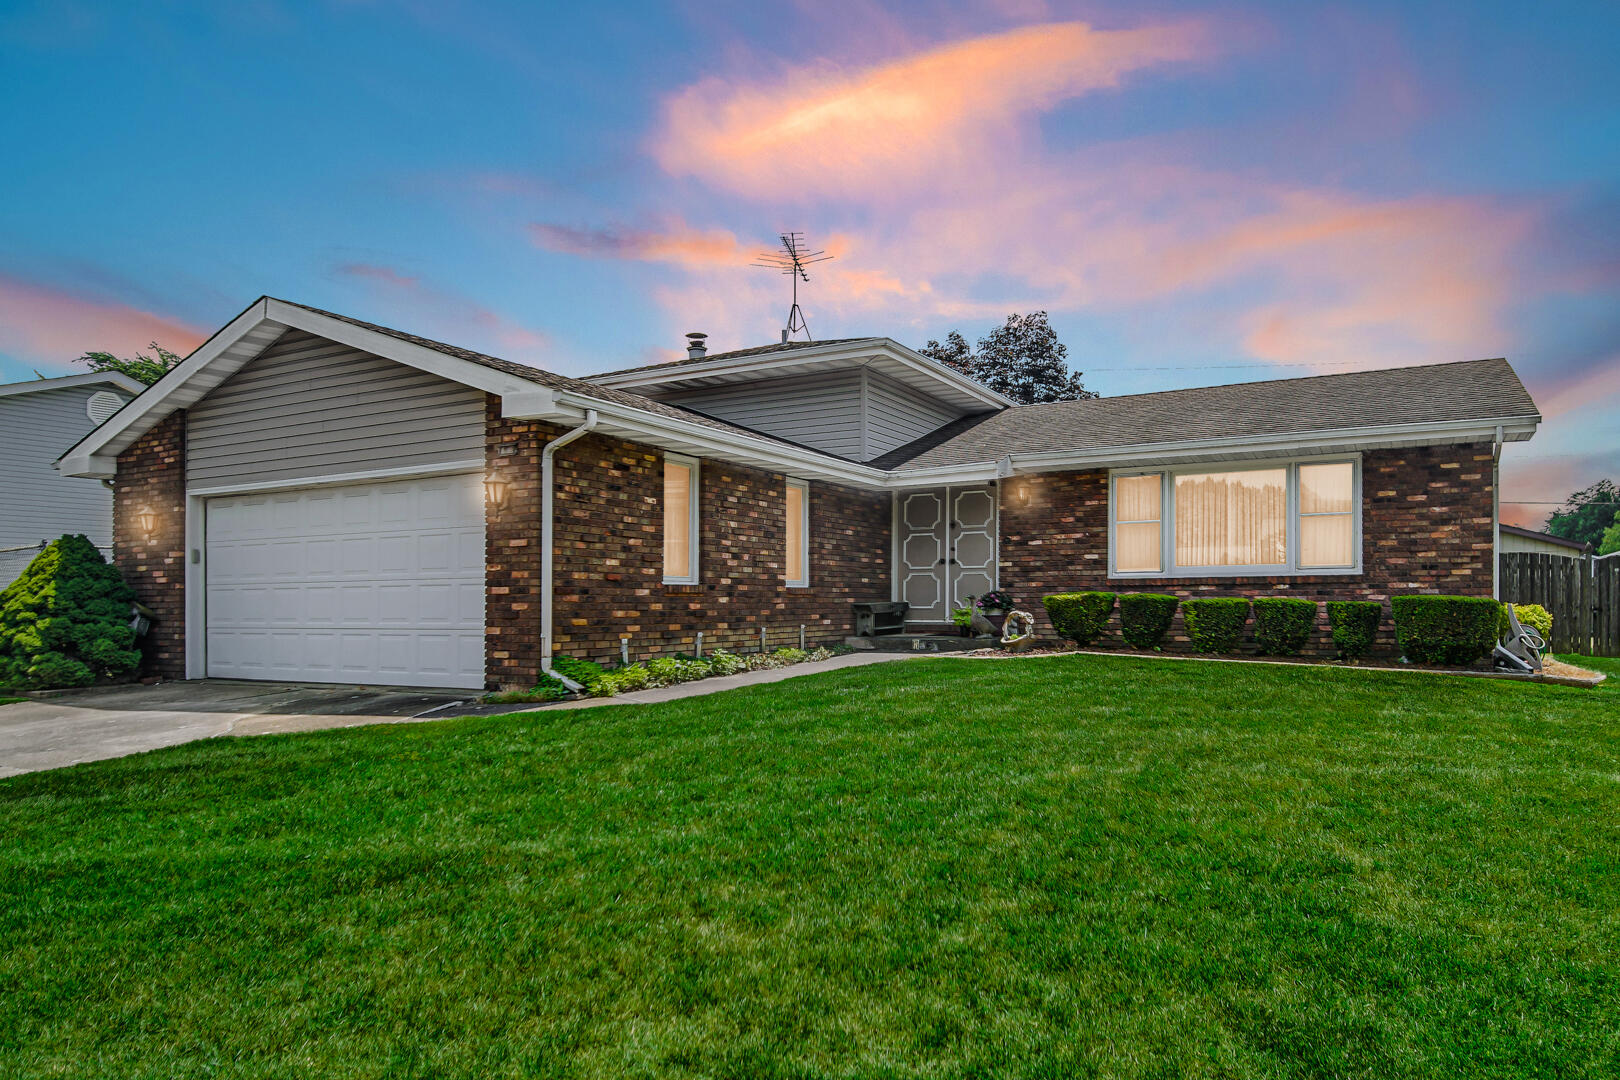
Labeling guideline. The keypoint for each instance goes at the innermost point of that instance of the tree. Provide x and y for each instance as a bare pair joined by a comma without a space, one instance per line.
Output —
141,368
1587,513
1022,358
1609,542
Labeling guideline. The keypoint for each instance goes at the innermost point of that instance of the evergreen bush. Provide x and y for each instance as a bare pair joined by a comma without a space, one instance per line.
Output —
1079,617
1144,618
1283,624
1445,629
1354,624
1215,623
66,621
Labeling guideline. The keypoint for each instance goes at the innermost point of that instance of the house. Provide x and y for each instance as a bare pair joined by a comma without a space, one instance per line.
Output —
312,497
1517,539
39,419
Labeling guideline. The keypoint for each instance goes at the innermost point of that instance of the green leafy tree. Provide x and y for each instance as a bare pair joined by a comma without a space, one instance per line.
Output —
1022,358
140,367
1609,543
66,621
1586,514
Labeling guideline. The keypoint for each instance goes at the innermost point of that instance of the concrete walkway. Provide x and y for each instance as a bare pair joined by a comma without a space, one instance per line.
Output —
699,687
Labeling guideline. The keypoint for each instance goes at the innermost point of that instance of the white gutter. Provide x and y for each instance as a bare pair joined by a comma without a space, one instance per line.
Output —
547,528
1496,515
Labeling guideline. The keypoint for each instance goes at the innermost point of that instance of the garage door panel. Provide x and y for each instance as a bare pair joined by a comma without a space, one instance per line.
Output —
366,583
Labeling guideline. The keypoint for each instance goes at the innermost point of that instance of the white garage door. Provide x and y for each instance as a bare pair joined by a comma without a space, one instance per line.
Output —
370,583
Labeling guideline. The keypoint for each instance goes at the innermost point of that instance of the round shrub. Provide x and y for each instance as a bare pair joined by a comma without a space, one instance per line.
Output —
1354,624
66,620
1079,617
1445,629
1531,617
1283,624
1215,623
1144,618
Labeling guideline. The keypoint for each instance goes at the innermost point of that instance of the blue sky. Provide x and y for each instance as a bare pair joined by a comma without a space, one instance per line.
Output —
1197,193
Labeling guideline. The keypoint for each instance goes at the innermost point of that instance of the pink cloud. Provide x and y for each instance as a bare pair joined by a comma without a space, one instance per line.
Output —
919,119
1597,386
676,243
454,314
52,327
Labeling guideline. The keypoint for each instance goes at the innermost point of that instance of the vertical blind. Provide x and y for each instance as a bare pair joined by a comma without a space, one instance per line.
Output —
795,534
1232,519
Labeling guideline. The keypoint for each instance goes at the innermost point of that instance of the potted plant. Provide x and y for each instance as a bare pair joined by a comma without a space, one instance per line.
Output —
963,619
994,606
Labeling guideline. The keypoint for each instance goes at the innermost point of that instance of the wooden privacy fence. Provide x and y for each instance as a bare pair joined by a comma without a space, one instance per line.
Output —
1582,593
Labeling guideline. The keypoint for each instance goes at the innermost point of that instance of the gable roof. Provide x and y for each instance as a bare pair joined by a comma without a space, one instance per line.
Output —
1458,402
1472,395
114,379
1546,538
734,354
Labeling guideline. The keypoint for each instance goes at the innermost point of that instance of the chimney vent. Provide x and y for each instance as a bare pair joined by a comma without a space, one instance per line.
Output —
695,349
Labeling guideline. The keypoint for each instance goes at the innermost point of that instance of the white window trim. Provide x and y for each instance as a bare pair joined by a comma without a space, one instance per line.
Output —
693,534
1167,520
804,534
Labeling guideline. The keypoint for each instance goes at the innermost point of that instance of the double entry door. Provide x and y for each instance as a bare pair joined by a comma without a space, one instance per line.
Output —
946,540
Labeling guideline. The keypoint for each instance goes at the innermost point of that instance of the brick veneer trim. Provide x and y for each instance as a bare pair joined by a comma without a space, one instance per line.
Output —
152,478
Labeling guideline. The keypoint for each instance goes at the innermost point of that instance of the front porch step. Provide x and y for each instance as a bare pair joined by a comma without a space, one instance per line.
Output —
920,643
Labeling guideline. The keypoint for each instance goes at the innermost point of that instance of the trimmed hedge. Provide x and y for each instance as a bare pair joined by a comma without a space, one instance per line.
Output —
1283,624
1215,623
1354,624
1445,629
1144,618
1079,617
66,620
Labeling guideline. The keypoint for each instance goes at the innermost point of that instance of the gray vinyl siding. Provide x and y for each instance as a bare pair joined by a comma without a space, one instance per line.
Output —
41,503
897,415
308,407
823,411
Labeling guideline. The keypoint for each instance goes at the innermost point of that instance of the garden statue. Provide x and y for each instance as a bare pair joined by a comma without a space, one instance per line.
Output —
1018,632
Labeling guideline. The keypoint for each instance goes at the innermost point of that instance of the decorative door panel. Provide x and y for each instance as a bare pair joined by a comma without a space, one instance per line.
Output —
972,558
922,541
946,540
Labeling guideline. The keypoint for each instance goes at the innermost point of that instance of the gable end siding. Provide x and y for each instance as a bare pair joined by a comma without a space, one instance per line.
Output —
897,415
823,411
309,407
41,503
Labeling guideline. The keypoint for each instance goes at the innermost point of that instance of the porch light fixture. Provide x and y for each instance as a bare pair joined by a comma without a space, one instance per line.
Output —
146,521
1023,493
495,493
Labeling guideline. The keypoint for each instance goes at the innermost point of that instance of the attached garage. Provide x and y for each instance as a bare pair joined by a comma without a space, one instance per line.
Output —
363,583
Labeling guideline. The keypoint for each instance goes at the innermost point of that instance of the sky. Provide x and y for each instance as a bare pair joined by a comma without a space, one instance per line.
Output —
1197,193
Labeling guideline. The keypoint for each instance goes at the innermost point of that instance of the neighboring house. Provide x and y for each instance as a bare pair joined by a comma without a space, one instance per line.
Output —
331,500
39,419
1517,539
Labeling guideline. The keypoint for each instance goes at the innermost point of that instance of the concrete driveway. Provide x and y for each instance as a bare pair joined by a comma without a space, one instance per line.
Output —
88,725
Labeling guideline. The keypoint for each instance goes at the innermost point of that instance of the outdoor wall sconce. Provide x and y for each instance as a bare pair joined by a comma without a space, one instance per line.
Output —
1023,494
495,493
146,521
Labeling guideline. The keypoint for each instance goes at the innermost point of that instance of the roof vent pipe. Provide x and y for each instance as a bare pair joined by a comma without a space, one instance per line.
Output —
695,349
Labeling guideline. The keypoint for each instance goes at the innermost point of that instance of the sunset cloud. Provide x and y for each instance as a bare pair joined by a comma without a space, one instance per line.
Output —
924,119
676,244
452,315
48,328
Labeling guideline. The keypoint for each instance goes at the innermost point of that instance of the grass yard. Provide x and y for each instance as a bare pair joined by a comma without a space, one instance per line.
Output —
10,700
1055,867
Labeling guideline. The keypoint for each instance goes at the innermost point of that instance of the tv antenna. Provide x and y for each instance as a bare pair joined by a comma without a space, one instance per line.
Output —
791,260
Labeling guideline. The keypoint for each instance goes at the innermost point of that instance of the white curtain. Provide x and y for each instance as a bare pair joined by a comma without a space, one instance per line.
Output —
677,520
1326,523
1232,518
1137,517
795,533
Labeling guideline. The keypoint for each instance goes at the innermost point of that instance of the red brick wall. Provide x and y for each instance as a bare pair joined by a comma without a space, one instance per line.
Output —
610,556
1426,527
152,476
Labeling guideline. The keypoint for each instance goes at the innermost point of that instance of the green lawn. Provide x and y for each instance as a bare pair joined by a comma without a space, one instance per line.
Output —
10,700
1070,866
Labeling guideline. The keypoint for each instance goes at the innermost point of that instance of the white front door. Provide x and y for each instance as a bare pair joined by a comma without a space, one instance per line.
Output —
379,583
945,548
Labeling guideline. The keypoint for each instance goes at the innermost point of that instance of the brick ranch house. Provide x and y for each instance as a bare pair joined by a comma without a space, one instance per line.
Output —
312,498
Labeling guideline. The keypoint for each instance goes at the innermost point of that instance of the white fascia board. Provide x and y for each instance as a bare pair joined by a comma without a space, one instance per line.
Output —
409,353
82,458
756,365
658,430
67,382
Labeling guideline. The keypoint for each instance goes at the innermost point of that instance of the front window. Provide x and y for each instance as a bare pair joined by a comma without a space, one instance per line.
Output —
680,520
797,563
1271,519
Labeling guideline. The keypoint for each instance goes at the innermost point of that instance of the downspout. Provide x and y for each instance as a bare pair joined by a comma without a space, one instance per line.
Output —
1496,515
548,471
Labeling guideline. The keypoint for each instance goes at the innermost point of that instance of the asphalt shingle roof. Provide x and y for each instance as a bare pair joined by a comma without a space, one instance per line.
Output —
758,350
1432,393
